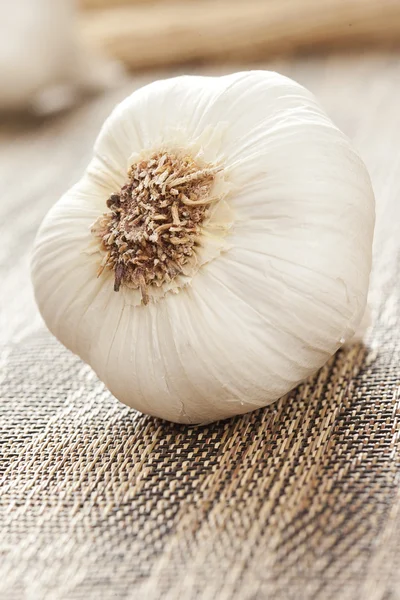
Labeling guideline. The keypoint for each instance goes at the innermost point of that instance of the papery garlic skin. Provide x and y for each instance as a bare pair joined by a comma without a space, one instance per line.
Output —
285,285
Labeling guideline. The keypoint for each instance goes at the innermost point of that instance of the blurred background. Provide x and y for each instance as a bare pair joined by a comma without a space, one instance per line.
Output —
145,33
52,51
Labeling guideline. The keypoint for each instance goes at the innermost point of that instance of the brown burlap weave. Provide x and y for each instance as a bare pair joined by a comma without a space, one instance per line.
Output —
299,500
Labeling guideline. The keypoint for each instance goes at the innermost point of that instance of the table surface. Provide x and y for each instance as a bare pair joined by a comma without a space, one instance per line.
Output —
299,500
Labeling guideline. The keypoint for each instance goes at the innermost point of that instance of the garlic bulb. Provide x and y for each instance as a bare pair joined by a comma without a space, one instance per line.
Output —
217,250
43,66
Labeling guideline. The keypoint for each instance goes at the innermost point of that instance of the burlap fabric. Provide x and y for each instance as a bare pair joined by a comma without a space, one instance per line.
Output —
299,500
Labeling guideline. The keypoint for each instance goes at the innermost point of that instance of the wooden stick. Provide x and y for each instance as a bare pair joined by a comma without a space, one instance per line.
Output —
94,4
161,34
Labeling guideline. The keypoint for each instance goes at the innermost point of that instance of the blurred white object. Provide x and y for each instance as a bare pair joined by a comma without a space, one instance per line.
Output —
42,63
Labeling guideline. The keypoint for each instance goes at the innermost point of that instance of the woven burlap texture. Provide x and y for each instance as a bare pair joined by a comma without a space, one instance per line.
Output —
299,500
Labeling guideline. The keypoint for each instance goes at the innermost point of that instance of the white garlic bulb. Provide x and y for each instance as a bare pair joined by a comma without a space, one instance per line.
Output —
217,250
43,66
